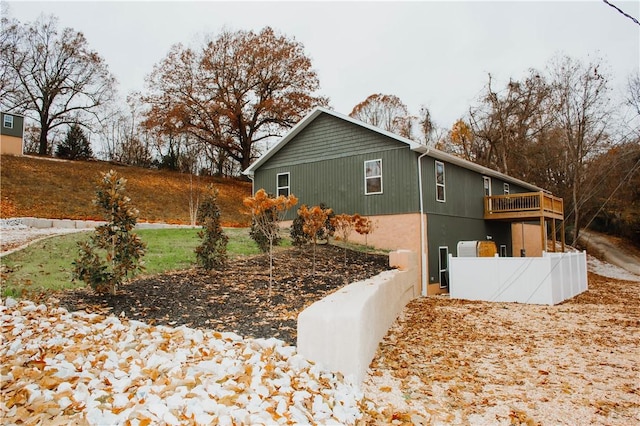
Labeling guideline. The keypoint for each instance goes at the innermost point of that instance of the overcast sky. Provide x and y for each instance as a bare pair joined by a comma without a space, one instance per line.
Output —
432,53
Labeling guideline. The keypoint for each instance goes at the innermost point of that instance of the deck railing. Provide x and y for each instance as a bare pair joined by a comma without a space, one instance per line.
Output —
529,204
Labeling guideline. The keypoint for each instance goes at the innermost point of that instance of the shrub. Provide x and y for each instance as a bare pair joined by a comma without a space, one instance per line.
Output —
212,253
114,249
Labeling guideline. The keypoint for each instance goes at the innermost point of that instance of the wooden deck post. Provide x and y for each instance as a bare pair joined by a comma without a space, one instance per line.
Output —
553,233
542,236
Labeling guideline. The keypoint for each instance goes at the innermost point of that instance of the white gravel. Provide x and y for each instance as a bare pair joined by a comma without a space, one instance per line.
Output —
85,368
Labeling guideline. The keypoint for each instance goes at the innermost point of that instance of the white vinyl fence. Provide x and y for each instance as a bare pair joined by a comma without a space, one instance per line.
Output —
546,280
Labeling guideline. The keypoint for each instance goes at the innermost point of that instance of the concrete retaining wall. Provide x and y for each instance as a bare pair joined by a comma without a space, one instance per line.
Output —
341,332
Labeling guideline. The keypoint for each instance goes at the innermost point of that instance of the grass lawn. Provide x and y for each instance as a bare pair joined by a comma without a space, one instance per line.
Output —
46,265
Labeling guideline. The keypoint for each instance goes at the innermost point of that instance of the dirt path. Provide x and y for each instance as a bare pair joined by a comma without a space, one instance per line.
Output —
610,248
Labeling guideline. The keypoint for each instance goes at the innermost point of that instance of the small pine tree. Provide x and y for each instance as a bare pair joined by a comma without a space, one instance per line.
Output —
212,253
76,145
114,249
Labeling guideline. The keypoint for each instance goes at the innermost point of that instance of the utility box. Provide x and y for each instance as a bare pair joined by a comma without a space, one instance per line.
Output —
477,249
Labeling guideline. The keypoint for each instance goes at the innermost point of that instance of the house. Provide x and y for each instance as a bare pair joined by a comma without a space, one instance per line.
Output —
11,133
422,199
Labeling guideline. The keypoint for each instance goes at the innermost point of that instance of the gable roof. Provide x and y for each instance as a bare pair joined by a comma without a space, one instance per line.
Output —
414,146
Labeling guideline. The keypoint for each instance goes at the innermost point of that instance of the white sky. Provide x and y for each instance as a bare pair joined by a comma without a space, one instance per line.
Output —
432,53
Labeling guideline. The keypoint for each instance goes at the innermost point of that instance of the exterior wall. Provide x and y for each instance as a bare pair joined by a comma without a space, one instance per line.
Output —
529,233
11,137
325,162
11,145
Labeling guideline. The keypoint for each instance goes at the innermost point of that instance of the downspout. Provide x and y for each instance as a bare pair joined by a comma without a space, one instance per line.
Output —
423,256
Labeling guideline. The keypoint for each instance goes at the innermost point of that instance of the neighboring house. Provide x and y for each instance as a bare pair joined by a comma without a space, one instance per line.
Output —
11,133
354,167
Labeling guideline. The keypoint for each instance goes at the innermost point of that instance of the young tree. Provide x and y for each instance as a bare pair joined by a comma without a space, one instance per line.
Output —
212,253
114,249
239,89
299,237
364,226
344,224
387,112
58,79
76,145
314,220
265,211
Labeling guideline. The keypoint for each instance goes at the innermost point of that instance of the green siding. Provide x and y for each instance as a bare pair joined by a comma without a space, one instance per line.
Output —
339,183
327,138
326,165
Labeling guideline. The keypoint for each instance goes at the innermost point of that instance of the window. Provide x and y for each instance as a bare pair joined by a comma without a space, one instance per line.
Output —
503,250
443,266
282,184
440,192
373,177
487,186
506,189
8,121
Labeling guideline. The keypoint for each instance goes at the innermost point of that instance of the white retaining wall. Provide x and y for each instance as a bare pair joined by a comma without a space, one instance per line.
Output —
546,280
341,332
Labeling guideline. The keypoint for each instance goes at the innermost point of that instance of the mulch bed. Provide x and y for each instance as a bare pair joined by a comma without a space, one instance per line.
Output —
236,299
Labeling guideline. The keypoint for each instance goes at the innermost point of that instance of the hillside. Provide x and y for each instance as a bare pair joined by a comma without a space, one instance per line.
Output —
52,188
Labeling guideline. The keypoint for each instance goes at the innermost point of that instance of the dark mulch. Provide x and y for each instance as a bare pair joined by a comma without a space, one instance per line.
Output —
236,299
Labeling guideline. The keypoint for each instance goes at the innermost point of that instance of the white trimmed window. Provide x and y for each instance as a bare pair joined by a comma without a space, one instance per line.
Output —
486,182
440,183
283,184
8,121
506,189
373,177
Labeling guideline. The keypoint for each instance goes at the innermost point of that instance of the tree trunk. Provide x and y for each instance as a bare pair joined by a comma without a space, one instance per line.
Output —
576,216
43,146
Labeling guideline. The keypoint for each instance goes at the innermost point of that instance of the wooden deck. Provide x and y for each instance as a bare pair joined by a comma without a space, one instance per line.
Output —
526,206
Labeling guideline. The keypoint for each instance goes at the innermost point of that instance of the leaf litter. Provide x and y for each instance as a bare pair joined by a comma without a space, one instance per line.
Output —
461,362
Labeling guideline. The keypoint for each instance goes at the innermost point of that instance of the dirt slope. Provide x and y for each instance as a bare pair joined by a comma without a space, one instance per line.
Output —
61,189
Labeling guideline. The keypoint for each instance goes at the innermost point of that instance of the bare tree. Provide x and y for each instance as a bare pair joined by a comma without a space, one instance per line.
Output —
633,92
387,112
506,122
580,93
59,80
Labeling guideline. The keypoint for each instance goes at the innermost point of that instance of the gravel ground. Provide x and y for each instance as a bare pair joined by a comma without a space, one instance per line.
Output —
14,235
